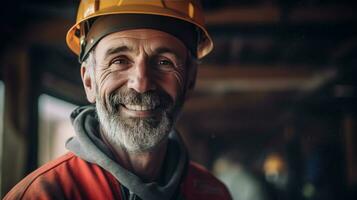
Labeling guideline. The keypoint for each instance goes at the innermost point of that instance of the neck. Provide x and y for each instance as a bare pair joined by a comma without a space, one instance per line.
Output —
146,165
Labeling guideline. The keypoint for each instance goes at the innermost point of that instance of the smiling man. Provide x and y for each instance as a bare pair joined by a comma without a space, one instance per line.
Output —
138,64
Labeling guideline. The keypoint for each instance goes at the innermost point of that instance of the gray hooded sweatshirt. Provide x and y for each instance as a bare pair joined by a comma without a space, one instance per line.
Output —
87,145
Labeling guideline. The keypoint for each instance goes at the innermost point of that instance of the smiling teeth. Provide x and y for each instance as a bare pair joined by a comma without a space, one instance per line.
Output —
139,108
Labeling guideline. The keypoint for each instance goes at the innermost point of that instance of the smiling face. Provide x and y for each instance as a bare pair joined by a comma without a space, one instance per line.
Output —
139,85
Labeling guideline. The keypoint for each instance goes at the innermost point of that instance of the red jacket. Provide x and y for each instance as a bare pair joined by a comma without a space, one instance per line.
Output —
70,177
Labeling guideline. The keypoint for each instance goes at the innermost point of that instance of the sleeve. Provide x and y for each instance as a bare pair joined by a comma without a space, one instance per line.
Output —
35,189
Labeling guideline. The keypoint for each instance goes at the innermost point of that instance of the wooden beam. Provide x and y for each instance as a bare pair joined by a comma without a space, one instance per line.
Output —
229,15
63,89
331,13
253,71
235,113
237,102
233,79
233,124
349,129
270,14
20,118
52,31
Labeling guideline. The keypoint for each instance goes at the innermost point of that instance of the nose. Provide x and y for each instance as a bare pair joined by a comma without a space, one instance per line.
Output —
140,78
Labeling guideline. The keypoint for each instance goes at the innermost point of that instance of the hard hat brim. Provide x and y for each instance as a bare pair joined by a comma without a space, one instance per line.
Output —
205,46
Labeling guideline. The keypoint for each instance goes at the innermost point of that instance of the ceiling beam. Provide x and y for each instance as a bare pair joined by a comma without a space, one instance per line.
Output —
229,15
238,124
270,14
330,13
206,71
224,80
238,102
52,31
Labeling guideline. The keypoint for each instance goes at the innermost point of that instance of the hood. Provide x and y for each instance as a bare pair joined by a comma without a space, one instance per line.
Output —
87,145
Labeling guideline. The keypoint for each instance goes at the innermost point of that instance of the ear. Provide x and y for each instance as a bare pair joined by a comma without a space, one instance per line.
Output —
88,83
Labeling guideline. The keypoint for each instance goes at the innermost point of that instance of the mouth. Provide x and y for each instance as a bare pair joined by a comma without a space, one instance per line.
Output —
139,107
142,111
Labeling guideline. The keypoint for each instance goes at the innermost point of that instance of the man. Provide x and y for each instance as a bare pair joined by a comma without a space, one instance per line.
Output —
138,65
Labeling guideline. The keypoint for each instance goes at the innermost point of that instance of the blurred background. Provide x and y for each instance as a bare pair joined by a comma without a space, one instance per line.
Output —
274,110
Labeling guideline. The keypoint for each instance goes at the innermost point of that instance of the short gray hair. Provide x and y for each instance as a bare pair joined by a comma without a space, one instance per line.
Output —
90,63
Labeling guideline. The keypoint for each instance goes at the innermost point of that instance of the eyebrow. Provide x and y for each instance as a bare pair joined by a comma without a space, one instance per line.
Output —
124,48
162,50
116,50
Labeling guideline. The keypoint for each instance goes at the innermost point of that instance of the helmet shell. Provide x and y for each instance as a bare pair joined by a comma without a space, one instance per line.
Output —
187,10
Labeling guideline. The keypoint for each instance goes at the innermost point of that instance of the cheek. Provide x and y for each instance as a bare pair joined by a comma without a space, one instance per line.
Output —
172,83
110,82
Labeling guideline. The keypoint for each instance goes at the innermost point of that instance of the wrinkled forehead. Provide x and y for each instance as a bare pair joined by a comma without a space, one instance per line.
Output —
136,40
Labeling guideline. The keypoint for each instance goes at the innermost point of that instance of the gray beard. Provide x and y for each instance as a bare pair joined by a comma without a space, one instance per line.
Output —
134,134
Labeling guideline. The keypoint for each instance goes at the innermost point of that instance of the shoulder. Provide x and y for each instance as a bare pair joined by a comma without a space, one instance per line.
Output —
202,184
50,180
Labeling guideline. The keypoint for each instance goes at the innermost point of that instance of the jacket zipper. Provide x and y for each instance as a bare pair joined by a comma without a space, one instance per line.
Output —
132,196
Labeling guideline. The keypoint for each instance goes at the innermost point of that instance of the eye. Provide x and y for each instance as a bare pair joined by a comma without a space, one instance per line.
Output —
121,61
164,62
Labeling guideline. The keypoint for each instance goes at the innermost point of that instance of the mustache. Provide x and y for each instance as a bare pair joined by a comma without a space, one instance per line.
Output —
125,96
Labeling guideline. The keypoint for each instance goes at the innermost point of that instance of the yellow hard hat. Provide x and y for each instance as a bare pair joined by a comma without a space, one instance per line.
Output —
183,10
